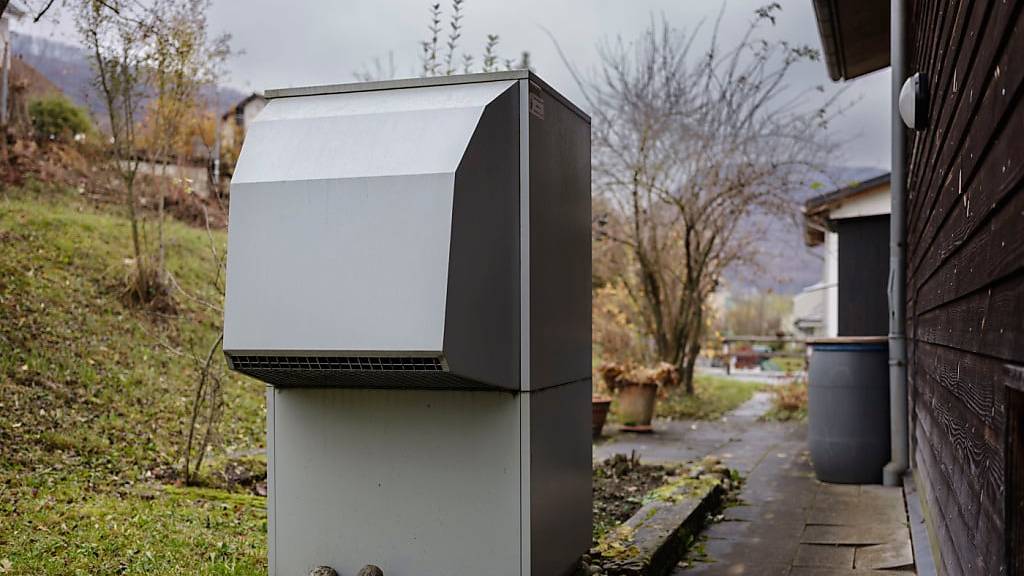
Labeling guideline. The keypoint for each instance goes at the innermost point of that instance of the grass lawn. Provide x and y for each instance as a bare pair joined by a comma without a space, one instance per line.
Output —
713,396
94,398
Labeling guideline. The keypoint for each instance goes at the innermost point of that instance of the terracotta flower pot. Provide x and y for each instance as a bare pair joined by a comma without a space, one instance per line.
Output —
600,405
636,405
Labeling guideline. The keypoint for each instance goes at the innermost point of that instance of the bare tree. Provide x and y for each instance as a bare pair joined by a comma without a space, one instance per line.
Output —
688,146
119,48
184,60
150,61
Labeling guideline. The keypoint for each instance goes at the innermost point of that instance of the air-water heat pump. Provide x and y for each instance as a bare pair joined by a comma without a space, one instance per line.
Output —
409,272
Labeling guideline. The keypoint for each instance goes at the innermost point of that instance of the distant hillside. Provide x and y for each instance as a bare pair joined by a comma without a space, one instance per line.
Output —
786,265
63,64
36,84
67,66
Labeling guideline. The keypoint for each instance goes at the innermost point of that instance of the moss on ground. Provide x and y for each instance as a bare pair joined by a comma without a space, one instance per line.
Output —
681,488
94,398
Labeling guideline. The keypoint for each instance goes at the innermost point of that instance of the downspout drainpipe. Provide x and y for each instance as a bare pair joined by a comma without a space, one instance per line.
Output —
892,474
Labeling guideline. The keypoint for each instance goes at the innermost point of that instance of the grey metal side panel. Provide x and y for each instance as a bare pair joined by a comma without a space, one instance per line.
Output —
560,486
559,227
421,483
523,312
271,533
481,328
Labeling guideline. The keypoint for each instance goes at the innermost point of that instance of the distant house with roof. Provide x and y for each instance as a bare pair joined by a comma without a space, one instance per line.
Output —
852,223
235,120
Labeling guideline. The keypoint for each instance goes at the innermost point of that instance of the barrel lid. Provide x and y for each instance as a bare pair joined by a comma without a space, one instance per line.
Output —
849,340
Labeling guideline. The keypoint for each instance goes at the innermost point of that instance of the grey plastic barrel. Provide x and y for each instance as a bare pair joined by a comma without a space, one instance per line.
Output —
848,408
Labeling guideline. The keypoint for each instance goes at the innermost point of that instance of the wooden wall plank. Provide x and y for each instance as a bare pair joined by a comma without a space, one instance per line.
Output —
975,254
974,519
979,382
1015,496
991,151
962,79
988,322
977,449
940,76
971,76
949,562
958,553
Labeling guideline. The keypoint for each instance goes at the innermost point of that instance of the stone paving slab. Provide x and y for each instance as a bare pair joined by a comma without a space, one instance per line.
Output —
854,515
897,554
809,571
854,535
886,495
824,556
750,552
737,568
768,514
756,530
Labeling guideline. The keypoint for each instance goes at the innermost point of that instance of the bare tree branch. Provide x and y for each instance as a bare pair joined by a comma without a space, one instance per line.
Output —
689,150
39,15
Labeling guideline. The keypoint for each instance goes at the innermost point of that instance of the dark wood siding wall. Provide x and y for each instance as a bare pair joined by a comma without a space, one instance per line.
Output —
863,276
1015,480
965,272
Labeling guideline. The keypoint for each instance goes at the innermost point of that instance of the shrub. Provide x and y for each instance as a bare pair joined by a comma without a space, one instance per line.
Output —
56,118
789,402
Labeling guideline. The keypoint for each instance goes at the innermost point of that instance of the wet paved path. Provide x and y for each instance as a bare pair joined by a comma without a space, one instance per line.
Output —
788,523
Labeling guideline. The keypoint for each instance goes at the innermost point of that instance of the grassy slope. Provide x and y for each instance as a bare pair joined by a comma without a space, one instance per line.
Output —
713,397
92,399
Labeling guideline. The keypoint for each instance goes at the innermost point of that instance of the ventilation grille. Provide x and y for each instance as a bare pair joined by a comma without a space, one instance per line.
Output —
354,372
342,363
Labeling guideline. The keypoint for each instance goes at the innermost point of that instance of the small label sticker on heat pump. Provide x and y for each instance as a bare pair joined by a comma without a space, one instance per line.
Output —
536,105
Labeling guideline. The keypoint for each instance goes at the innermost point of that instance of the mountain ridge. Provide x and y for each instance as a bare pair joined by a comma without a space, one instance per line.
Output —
68,67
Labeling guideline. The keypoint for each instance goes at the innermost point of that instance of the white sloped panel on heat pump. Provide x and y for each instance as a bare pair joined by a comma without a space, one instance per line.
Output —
341,208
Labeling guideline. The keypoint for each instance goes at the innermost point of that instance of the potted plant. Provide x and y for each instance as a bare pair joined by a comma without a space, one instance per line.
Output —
637,391
637,400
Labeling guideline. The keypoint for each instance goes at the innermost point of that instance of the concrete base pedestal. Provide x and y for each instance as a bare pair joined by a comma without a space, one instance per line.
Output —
429,483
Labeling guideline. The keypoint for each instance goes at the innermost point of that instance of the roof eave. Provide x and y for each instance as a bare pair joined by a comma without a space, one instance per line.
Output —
816,210
824,201
828,30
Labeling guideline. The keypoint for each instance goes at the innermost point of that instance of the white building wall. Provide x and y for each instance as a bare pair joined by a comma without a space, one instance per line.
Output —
831,284
871,203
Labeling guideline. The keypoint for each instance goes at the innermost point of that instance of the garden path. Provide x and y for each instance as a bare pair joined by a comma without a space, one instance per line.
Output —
787,522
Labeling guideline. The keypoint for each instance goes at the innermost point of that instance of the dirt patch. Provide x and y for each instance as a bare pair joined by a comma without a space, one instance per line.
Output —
620,485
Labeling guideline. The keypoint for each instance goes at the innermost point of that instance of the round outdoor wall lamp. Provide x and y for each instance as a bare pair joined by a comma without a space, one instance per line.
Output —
914,101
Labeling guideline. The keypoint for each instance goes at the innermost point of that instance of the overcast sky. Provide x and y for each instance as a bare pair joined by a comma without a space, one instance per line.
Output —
300,42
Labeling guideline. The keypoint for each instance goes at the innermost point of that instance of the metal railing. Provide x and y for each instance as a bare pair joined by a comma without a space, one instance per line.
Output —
781,347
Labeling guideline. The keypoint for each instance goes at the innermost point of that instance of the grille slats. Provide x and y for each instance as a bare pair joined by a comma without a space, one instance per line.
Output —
353,372
339,363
